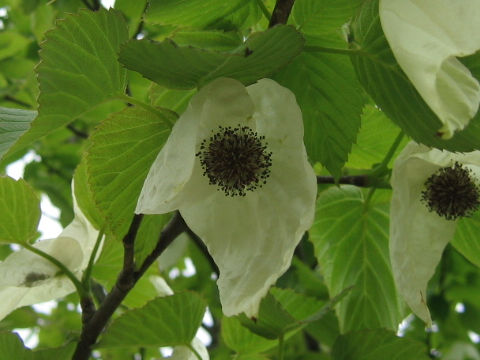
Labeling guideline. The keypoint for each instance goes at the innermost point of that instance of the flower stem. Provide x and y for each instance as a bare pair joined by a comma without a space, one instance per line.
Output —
152,109
82,292
264,9
280,347
382,168
88,270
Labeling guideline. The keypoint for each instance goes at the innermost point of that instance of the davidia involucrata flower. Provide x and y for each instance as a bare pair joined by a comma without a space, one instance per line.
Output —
236,168
426,37
28,278
431,190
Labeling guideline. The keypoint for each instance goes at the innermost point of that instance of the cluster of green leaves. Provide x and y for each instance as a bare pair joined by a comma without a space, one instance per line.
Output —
64,75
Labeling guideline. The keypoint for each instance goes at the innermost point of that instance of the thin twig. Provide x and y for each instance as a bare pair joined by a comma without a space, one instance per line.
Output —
125,282
281,12
77,132
204,250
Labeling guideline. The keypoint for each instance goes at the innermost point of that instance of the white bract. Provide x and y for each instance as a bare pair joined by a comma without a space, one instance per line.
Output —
236,168
26,278
418,236
426,37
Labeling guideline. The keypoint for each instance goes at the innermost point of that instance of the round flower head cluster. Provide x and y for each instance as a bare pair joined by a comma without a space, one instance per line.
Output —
235,159
426,37
432,189
452,192
236,168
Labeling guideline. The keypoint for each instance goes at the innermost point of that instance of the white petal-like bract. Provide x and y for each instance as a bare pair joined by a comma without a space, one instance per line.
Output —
417,235
251,238
426,37
26,278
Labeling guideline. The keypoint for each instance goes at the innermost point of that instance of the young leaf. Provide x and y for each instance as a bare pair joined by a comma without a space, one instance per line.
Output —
388,85
188,67
357,256
166,321
20,209
13,123
78,69
375,137
122,149
11,347
377,344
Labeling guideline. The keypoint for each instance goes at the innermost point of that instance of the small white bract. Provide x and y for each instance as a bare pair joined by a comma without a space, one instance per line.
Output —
426,37
427,182
28,278
236,168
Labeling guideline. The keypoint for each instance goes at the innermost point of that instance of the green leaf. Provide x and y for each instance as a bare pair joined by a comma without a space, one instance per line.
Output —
11,42
78,69
84,195
148,235
374,139
283,311
331,100
321,21
273,320
63,352
466,239
377,345
176,100
241,340
186,67
20,209
212,40
13,124
351,242
166,321
190,13
387,84
121,152
11,347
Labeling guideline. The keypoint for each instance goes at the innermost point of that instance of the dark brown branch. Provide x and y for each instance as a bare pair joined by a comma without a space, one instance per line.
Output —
125,282
281,12
175,227
129,244
204,250
357,180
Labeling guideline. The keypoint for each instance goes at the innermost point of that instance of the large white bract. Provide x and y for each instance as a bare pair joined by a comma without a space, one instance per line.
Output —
28,278
251,234
418,236
426,37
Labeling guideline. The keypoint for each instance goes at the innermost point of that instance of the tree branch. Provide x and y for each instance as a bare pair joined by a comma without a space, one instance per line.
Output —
357,180
125,282
281,12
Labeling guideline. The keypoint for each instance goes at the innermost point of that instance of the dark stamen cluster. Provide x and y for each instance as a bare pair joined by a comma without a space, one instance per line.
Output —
235,159
451,192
